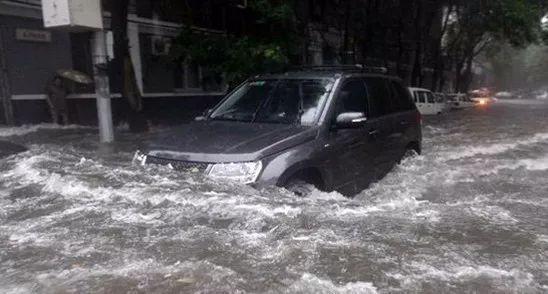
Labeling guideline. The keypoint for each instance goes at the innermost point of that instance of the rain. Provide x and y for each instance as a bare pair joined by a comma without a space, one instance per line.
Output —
86,105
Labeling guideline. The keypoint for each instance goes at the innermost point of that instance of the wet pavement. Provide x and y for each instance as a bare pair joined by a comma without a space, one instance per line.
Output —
468,216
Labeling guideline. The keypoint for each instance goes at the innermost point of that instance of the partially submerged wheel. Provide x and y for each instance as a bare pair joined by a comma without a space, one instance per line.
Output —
412,150
410,153
300,188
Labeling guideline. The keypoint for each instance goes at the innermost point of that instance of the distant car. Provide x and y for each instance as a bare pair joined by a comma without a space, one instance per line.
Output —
426,101
335,128
481,98
504,95
460,101
542,95
442,98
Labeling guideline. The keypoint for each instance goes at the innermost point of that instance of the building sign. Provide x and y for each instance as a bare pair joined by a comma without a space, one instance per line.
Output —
32,35
76,15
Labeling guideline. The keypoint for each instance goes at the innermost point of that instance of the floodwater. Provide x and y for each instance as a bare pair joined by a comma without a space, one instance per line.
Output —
468,216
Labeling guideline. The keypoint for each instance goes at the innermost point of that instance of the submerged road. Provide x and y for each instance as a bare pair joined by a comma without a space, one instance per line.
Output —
468,216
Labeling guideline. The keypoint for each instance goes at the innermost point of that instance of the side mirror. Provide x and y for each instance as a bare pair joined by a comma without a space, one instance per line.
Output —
204,116
349,120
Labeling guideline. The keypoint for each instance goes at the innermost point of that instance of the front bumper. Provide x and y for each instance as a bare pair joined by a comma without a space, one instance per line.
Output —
242,172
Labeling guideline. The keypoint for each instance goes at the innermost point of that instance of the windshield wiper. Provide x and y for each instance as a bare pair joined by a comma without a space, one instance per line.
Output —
300,111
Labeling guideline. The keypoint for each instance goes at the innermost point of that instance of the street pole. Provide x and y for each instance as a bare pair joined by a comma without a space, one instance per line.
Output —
5,93
102,88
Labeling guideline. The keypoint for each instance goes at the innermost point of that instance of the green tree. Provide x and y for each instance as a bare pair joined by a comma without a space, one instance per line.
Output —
268,44
478,25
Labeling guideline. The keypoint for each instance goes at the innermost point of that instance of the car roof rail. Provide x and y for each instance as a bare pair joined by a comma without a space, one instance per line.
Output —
355,68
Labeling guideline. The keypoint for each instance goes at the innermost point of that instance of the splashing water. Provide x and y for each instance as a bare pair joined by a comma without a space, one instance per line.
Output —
469,215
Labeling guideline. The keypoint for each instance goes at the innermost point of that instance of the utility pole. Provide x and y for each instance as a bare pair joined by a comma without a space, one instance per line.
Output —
5,92
102,88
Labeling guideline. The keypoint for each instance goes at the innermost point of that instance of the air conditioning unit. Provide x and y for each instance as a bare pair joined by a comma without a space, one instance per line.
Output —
73,15
160,45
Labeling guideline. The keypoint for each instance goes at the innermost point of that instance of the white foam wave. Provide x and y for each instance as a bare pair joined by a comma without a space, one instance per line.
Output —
310,283
530,164
496,148
181,273
538,164
497,278
495,214
522,101
27,129
24,170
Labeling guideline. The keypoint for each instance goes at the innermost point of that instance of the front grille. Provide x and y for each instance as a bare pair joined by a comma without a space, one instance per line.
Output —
178,165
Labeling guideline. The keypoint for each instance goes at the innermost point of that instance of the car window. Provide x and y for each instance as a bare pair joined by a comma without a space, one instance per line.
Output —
401,98
353,98
379,96
416,96
291,101
422,97
430,97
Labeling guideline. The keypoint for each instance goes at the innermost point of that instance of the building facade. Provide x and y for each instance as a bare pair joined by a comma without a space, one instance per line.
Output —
175,91
30,55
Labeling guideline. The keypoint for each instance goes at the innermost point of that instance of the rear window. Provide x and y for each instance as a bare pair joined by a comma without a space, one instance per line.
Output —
422,97
379,96
401,98
430,97
416,96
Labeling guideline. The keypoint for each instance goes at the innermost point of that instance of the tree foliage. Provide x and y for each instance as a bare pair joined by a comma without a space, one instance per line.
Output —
266,47
277,33
481,25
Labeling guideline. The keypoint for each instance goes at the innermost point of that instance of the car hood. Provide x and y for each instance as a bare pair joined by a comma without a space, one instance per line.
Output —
223,141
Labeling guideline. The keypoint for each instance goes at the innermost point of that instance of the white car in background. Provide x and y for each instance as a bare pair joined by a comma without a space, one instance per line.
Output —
444,99
542,95
460,101
426,101
504,95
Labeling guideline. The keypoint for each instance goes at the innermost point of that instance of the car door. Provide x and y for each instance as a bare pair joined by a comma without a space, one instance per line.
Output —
382,114
404,119
431,100
350,152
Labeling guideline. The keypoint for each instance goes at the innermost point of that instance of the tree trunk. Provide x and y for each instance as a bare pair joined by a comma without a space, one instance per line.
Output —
123,75
346,36
468,75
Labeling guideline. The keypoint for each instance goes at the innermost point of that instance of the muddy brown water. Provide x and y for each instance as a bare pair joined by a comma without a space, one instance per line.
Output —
468,216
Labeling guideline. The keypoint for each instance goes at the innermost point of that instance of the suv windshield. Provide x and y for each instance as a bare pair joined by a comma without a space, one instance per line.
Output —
287,101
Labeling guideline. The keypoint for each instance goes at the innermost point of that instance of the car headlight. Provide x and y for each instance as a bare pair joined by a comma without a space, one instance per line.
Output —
242,172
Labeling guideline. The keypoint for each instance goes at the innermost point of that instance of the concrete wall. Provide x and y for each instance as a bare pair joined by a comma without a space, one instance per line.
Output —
158,71
158,110
31,65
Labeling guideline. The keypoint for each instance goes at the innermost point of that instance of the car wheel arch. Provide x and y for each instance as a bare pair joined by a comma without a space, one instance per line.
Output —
309,174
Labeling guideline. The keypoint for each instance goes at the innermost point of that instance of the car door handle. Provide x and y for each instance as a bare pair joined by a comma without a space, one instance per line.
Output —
374,132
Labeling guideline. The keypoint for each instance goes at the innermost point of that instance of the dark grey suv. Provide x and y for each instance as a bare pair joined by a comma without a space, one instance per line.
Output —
335,128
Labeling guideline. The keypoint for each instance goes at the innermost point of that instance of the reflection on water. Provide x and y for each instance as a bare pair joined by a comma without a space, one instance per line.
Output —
468,215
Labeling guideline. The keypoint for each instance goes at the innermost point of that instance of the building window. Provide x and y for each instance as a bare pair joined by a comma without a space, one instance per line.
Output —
193,76
188,77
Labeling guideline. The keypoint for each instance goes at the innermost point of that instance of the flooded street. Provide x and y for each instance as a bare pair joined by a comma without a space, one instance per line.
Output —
468,216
